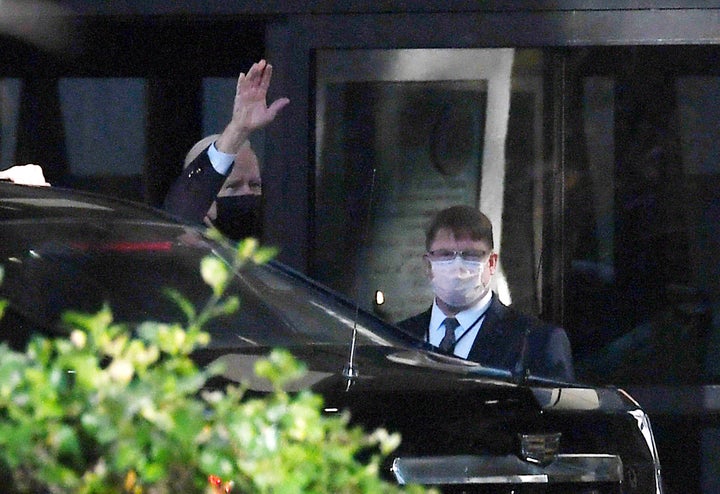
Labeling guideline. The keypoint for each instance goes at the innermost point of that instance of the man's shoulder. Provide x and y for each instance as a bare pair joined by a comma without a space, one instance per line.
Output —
518,319
194,190
416,325
201,164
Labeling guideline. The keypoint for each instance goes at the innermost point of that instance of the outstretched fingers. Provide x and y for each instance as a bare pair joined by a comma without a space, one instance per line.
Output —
276,106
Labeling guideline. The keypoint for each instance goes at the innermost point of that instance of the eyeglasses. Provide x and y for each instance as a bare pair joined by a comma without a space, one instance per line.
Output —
449,255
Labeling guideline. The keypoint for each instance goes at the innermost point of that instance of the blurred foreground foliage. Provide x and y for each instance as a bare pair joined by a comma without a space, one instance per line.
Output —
118,409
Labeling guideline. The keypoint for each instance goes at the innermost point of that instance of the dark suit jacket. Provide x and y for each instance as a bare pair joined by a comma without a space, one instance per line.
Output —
501,342
194,191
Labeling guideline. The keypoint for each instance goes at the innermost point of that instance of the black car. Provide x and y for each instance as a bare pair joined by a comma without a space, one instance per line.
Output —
465,428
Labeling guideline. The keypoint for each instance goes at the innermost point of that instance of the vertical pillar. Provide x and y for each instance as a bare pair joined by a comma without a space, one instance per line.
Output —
41,132
174,124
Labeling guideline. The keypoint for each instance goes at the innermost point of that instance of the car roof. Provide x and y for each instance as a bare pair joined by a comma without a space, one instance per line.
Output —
21,202
72,239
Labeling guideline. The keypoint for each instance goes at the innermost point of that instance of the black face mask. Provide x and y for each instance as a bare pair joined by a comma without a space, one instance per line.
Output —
239,217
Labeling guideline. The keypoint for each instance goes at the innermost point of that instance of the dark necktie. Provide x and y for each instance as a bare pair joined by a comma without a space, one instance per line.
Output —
448,342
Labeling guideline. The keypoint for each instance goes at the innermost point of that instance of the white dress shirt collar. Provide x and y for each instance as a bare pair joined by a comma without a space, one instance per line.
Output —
466,318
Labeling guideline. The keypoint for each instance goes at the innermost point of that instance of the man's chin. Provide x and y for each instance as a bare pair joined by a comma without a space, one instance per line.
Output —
465,305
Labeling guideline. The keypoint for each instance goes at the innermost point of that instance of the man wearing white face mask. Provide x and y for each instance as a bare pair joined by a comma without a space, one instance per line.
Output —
467,319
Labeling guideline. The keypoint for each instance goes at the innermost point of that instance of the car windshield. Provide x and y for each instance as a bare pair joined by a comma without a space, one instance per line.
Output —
53,266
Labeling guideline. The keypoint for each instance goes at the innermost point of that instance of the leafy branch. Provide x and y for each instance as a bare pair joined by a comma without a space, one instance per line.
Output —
115,408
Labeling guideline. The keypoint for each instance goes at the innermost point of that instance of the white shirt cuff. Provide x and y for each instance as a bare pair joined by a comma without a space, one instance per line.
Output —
219,160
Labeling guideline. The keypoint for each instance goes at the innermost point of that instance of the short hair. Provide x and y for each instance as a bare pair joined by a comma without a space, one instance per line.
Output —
463,222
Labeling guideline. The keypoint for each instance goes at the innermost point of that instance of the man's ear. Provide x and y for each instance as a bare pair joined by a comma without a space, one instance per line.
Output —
427,265
493,262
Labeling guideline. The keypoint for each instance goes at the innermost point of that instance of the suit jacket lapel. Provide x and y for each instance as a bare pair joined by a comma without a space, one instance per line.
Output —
491,347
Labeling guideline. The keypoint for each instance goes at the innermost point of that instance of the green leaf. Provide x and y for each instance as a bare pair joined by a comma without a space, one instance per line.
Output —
246,248
215,273
183,303
66,441
229,306
264,254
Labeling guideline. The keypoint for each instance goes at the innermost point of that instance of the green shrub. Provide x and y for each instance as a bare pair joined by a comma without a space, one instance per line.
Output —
118,409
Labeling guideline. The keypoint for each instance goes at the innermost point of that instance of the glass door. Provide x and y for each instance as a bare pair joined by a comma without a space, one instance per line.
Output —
401,134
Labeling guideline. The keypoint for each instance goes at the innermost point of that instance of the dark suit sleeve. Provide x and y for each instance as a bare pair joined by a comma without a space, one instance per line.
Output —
194,191
559,354
549,351
520,342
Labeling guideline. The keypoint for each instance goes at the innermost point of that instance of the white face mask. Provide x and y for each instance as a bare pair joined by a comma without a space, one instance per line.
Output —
458,282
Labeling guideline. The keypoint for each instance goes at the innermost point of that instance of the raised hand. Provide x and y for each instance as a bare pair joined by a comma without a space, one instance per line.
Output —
250,109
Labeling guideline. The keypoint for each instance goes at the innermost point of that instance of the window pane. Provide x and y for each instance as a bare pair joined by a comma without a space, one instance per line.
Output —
101,140
9,109
642,216
598,167
402,134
